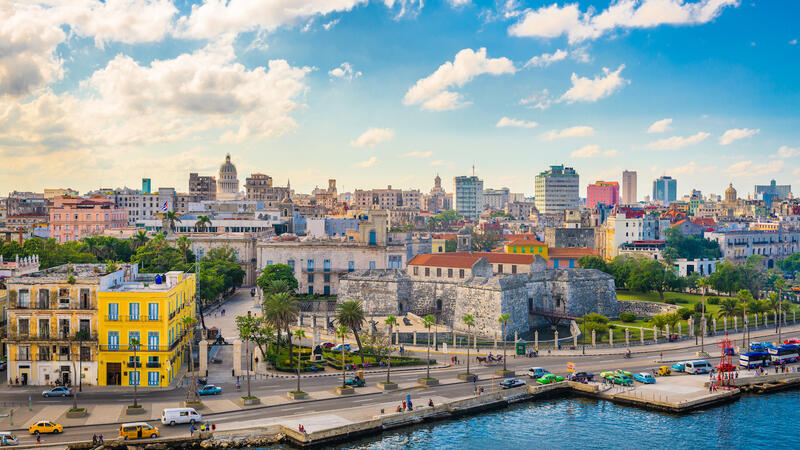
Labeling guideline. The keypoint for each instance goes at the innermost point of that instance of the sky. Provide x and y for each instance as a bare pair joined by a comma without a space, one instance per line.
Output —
392,92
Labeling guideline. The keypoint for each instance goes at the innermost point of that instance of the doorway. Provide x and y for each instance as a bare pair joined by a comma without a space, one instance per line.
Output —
114,374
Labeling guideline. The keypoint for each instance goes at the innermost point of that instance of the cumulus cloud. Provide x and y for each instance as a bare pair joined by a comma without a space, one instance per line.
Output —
508,122
593,151
418,154
590,90
373,137
660,126
431,92
537,100
458,3
344,72
579,131
368,163
748,169
735,134
553,21
677,142
787,152
545,59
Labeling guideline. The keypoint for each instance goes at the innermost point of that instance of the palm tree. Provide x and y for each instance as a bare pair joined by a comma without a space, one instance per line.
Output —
299,334
183,243
392,322
92,245
342,333
744,296
134,346
729,307
427,322
780,285
280,311
188,323
202,222
703,284
504,319
171,217
351,315
469,321
139,239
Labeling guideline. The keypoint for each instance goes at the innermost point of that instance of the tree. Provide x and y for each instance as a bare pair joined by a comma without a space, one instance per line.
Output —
380,346
245,328
503,320
703,284
729,307
351,315
171,217
592,262
139,239
651,276
427,322
188,323
299,334
134,346
469,321
450,245
727,277
486,242
392,322
280,311
80,335
202,223
744,296
277,272
183,244
779,285
341,332
691,247
791,264
157,256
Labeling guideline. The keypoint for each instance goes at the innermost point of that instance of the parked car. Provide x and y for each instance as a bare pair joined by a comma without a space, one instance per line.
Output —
644,377
622,380
537,372
355,381
511,383
664,371
171,416
58,391
549,379
679,367
698,367
327,345
581,376
338,347
45,426
608,373
137,430
210,389
8,438
792,341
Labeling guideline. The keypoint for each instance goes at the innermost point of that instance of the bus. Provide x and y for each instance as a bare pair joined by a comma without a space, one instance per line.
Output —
784,354
752,360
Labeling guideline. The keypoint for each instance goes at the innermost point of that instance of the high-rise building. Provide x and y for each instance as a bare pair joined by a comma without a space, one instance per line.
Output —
203,187
259,187
228,182
665,190
773,190
496,199
557,190
468,199
146,185
629,187
602,192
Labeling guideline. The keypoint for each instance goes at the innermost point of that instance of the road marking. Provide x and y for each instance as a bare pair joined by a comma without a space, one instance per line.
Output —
292,408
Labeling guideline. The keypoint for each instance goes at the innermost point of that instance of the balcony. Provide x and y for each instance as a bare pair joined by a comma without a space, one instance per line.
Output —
139,349
172,315
153,318
44,357
153,365
134,365
64,358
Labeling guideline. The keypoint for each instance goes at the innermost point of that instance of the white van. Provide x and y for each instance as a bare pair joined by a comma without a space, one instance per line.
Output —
8,438
171,416
695,367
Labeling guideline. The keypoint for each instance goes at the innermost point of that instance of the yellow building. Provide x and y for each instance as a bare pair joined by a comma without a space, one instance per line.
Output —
527,247
150,311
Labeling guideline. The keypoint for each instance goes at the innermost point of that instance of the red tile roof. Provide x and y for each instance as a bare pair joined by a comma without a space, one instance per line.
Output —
461,261
705,222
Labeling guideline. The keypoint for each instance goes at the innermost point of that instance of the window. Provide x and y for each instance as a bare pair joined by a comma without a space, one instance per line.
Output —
152,311
449,273
513,268
269,262
327,278
351,266
24,300
311,290
134,336
133,311
439,272
326,290
499,268
133,378
311,278
152,378
23,353
44,328
152,340
310,265
326,265
63,328
113,311
23,327
372,265
113,340
460,273
416,270
427,271
290,263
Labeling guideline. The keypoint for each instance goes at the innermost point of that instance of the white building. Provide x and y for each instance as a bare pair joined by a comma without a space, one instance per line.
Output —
625,228
629,187
468,199
228,182
496,199
737,245
557,190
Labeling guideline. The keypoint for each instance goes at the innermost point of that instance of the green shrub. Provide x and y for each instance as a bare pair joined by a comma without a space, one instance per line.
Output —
713,300
682,301
698,307
627,317
685,313
669,301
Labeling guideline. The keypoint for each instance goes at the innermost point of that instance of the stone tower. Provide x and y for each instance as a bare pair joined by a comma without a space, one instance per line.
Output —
287,213
464,239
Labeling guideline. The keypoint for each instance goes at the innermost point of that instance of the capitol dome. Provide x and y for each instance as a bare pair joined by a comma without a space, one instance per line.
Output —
228,182
730,194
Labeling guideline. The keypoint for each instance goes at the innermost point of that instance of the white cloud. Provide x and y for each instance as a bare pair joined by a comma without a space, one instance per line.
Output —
735,134
216,17
787,152
579,131
458,3
128,21
373,137
418,154
553,21
660,126
368,163
432,92
748,169
345,72
593,151
508,122
545,59
537,100
793,42
328,25
580,54
590,90
677,142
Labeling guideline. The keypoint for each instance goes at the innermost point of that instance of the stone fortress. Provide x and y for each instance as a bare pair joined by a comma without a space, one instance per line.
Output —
452,285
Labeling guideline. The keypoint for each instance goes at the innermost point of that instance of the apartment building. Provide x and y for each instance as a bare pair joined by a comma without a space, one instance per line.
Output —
73,218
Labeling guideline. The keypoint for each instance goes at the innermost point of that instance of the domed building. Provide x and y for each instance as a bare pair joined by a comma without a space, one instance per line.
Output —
730,195
227,182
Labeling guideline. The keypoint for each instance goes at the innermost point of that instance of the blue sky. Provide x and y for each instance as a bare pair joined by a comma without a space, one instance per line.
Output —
390,92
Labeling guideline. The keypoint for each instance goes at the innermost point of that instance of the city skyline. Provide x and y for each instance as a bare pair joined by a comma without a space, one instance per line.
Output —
92,106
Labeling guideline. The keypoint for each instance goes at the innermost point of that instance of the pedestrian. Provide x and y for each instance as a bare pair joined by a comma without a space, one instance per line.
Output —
191,429
430,402
213,426
404,405
100,439
38,437
94,440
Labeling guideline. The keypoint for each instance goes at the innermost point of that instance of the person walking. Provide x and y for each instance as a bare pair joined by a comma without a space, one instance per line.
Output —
191,429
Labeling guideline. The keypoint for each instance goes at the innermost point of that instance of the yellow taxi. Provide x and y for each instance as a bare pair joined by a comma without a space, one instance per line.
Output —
137,430
44,426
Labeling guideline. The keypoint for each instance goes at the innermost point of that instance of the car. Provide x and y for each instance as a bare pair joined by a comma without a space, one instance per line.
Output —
327,345
622,380
171,416
209,389
58,391
44,427
338,347
8,438
357,382
537,372
511,383
698,367
606,374
644,378
581,376
679,367
792,341
664,371
137,430
549,379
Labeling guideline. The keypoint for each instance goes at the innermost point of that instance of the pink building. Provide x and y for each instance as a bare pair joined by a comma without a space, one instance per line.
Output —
73,218
605,192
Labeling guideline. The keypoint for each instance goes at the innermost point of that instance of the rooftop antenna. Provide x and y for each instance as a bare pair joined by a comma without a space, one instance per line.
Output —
473,170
